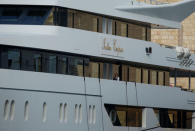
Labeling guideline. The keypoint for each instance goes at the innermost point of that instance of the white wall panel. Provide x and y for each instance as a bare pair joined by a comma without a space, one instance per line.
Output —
113,92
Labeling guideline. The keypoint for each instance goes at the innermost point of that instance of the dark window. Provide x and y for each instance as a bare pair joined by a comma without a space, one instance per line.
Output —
124,72
50,63
0,57
174,118
4,57
34,15
134,117
124,116
31,60
91,69
110,71
60,17
75,66
9,15
11,12
37,13
13,59
37,58
62,64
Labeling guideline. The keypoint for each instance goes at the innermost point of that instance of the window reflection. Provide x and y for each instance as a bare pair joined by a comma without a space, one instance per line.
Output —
167,78
37,60
181,79
75,66
34,15
120,28
134,117
137,31
109,71
91,69
31,61
174,118
85,21
60,16
160,78
138,75
124,75
50,19
153,77
124,115
3,57
13,59
62,64
40,15
50,63
132,74
145,76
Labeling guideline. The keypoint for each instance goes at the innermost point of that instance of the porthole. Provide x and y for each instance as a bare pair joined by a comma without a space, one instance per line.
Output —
90,114
26,111
44,117
94,114
76,113
61,112
12,110
65,113
6,110
80,114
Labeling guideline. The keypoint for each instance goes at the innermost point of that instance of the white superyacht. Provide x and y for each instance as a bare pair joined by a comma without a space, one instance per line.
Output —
86,65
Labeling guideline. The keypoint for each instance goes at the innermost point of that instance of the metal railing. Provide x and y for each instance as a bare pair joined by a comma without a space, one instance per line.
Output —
174,47
182,88
154,2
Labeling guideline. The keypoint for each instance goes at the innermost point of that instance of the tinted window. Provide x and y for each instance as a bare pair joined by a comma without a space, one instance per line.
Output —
36,15
50,62
14,59
11,12
0,57
37,58
110,71
60,16
62,64
75,66
124,116
4,57
174,118
31,60
91,69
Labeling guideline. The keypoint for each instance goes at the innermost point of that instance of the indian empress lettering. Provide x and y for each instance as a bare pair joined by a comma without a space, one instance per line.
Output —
111,47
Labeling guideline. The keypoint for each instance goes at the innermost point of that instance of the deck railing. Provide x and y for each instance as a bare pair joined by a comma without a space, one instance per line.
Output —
174,47
154,2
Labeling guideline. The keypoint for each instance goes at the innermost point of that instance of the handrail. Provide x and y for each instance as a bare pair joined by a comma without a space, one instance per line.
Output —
174,47
153,2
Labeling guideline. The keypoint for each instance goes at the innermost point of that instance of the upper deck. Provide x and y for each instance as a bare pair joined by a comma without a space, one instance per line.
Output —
125,9
76,41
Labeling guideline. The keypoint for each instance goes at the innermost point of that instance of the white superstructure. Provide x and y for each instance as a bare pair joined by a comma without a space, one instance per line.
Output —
90,66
